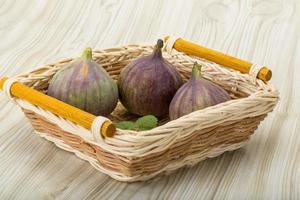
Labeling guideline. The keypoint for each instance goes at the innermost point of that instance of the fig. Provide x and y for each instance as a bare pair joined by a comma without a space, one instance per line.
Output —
197,93
86,85
148,84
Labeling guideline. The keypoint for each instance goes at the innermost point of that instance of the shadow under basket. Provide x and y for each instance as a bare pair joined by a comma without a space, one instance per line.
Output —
135,156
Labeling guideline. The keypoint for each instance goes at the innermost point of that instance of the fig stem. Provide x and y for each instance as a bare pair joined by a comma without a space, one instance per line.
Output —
159,44
157,49
87,54
196,71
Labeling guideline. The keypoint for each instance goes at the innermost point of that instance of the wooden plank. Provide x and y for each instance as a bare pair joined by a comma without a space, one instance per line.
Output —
265,32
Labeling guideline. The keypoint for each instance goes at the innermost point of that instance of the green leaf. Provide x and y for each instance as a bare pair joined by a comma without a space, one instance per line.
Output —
142,124
126,125
146,123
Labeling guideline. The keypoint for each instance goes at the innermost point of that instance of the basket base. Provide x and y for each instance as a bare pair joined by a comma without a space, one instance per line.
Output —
133,169
187,162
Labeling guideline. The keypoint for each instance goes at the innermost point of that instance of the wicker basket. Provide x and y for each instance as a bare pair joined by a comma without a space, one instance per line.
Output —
134,156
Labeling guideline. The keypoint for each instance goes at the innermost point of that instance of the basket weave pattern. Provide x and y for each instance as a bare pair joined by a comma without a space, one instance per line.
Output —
132,156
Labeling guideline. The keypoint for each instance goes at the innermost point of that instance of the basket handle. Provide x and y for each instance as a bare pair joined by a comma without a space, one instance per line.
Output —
58,107
243,66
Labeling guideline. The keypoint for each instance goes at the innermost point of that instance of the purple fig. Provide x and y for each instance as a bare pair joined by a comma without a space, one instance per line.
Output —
86,85
197,93
148,84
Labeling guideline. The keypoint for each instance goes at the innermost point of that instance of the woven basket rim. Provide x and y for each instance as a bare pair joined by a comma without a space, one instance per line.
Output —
117,49
266,94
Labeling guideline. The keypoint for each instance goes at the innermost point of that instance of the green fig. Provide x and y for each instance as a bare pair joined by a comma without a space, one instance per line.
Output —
86,85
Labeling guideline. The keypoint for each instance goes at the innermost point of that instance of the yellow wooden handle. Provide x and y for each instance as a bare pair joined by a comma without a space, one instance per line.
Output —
190,48
58,107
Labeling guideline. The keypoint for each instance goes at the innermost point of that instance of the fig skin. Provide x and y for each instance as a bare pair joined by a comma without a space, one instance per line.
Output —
196,94
86,85
148,84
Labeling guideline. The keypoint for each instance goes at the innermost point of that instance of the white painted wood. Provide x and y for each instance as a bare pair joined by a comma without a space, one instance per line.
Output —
35,32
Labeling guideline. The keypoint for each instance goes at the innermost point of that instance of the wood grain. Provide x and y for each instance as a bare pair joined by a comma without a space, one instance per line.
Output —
36,32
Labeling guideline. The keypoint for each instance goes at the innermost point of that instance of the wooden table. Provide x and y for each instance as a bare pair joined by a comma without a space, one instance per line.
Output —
34,33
